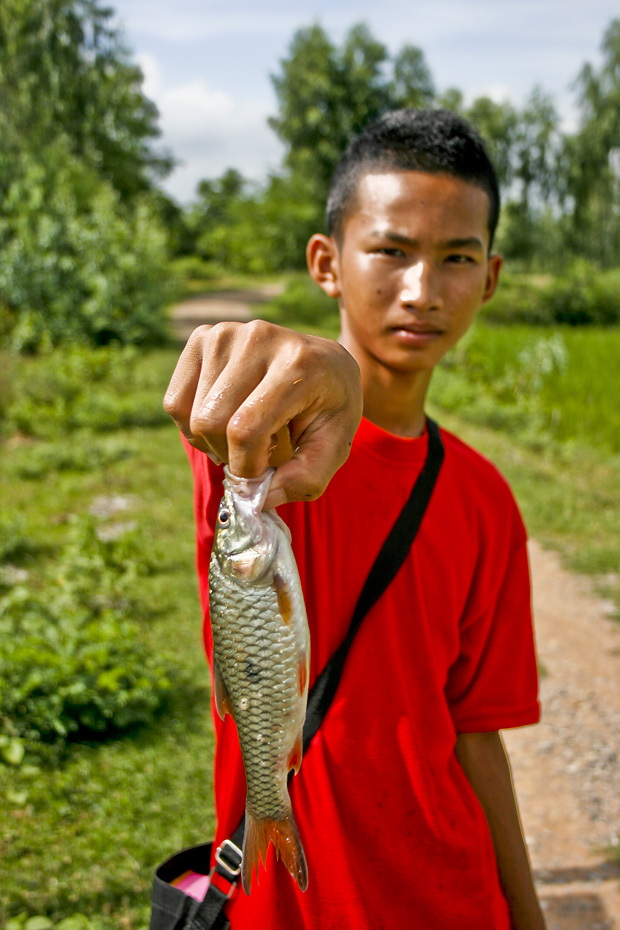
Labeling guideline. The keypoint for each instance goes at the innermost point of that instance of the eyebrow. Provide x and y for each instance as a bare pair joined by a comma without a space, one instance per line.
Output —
466,242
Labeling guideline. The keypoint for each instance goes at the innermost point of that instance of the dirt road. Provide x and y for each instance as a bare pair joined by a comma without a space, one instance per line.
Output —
567,769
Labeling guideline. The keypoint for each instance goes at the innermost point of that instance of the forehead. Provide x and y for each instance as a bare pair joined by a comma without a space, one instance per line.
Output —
407,199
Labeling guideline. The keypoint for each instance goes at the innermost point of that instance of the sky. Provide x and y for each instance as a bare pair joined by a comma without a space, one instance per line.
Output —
207,63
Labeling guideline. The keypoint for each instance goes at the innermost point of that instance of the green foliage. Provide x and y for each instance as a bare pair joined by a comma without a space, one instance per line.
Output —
83,250
497,124
40,922
240,230
66,74
544,386
561,192
591,169
15,542
72,662
81,388
325,94
75,263
581,295
303,306
89,455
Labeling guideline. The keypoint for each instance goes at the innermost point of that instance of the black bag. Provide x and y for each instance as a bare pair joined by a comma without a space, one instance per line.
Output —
172,908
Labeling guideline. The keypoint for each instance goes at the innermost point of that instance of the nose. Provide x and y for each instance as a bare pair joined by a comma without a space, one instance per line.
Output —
419,287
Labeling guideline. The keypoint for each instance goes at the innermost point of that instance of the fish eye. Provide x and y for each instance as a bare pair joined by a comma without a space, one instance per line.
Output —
223,518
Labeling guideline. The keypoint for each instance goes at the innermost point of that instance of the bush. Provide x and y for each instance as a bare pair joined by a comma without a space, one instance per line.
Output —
72,662
76,264
499,381
582,296
78,387
78,456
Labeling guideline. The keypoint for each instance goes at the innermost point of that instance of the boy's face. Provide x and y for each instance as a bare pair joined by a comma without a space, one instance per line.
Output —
412,268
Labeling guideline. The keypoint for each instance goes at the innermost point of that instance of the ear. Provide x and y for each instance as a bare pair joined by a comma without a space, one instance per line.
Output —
323,263
494,265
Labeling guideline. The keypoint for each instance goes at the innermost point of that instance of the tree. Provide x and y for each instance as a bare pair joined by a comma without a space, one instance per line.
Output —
412,83
83,252
496,123
531,217
64,72
327,94
592,157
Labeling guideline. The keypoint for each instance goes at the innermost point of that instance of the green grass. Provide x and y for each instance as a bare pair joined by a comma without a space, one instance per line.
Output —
561,382
82,830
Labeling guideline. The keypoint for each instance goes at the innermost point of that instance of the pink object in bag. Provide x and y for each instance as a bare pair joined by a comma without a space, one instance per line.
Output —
193,884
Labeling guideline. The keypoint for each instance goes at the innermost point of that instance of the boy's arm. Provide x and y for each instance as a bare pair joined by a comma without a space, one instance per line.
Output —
483,759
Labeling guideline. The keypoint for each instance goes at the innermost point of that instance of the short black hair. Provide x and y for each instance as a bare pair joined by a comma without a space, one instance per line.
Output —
434,141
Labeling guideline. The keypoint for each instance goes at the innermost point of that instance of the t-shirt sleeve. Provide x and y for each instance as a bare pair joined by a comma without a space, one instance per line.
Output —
493,684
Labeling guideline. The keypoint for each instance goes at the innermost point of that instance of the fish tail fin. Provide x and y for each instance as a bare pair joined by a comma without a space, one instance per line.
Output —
259,833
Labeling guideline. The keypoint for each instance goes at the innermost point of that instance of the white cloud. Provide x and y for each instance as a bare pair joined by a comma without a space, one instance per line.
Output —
152,83
209,131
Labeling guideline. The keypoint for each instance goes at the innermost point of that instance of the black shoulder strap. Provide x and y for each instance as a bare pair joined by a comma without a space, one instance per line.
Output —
391,556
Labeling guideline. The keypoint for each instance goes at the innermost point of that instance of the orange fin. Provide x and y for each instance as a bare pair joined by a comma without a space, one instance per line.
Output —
303,673
285,838
222,701
285,602
294,760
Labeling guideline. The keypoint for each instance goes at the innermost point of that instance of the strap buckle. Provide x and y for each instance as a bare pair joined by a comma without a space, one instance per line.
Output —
229,857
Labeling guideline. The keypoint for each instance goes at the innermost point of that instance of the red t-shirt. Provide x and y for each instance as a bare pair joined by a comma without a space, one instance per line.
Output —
393,834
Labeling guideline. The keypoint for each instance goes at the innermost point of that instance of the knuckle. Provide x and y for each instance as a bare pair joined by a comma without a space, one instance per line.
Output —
170,404
260,328
206,422
314,488
198,335
241,431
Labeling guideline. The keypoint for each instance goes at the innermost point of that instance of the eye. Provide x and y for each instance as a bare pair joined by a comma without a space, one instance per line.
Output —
223,518
391,252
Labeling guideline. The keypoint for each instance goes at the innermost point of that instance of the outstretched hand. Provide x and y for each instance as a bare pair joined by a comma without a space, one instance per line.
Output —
241,389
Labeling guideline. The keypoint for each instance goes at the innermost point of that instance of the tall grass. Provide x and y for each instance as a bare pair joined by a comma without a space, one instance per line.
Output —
540,384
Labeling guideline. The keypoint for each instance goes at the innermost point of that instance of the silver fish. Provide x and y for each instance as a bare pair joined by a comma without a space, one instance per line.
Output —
261,655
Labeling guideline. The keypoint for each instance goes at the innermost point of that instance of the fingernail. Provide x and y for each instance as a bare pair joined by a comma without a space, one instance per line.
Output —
214,458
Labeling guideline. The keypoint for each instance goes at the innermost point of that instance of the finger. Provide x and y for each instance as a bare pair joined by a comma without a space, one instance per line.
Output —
230,372
258,430
321,451
316,389
179,397
282,449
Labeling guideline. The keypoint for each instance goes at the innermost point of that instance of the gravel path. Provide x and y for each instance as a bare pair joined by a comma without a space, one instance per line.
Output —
567,769
235,305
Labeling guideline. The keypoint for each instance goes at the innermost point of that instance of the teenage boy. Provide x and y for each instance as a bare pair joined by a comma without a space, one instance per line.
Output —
404,802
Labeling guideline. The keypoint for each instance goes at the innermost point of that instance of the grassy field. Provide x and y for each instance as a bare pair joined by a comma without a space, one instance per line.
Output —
83,827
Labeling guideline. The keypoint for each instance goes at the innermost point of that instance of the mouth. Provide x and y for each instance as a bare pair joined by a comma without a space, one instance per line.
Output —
416,334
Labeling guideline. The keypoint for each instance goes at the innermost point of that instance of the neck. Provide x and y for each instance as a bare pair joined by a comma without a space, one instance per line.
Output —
394,400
